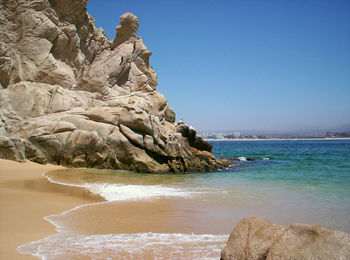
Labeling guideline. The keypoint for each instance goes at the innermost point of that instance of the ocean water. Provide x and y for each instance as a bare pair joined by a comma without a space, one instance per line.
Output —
189,216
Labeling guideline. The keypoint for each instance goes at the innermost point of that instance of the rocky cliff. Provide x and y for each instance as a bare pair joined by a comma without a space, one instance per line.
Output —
70,96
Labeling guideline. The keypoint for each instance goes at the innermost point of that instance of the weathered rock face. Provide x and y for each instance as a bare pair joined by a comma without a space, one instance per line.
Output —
256,238
70,96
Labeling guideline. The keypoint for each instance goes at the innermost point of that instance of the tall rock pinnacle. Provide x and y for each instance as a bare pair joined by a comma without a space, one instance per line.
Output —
127,30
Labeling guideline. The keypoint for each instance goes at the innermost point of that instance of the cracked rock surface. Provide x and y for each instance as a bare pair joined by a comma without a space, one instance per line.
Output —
70,96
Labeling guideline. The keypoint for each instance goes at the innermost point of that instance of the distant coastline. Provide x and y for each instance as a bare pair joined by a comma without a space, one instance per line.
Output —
277,139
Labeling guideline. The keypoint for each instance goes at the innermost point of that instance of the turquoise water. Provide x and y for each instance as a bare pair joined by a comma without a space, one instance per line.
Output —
313,163
309,179
299,181
321,165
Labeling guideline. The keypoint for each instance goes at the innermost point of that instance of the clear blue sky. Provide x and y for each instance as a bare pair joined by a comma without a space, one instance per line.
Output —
238,64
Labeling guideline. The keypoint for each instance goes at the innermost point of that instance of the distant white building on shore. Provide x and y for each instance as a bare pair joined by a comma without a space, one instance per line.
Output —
236,134
220,136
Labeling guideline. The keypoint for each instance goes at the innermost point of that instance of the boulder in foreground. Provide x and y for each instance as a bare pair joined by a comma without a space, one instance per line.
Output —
257,238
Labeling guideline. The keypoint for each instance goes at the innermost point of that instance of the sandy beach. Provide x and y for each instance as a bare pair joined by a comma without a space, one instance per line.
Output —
25,198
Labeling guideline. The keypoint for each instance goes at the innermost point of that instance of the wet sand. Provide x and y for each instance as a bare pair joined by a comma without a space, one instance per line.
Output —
25,198
176,215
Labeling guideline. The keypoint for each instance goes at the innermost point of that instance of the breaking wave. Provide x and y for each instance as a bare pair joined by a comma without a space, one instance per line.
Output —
124,192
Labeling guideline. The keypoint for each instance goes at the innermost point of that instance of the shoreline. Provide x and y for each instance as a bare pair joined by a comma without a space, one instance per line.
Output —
33,209
276,139
26,199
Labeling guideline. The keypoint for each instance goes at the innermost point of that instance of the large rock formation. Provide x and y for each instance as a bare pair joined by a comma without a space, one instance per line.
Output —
70,96
255,238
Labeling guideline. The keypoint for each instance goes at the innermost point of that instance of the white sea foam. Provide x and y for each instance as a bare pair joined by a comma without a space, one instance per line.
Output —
119,192
242,158
50,179
122,192
127,246
266,159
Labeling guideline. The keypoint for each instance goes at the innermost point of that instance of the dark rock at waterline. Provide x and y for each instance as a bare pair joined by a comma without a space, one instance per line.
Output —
193,139
202,145
256,238
233,159
251,159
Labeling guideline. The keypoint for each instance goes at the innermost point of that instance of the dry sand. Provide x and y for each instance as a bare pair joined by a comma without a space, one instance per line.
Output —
25,198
